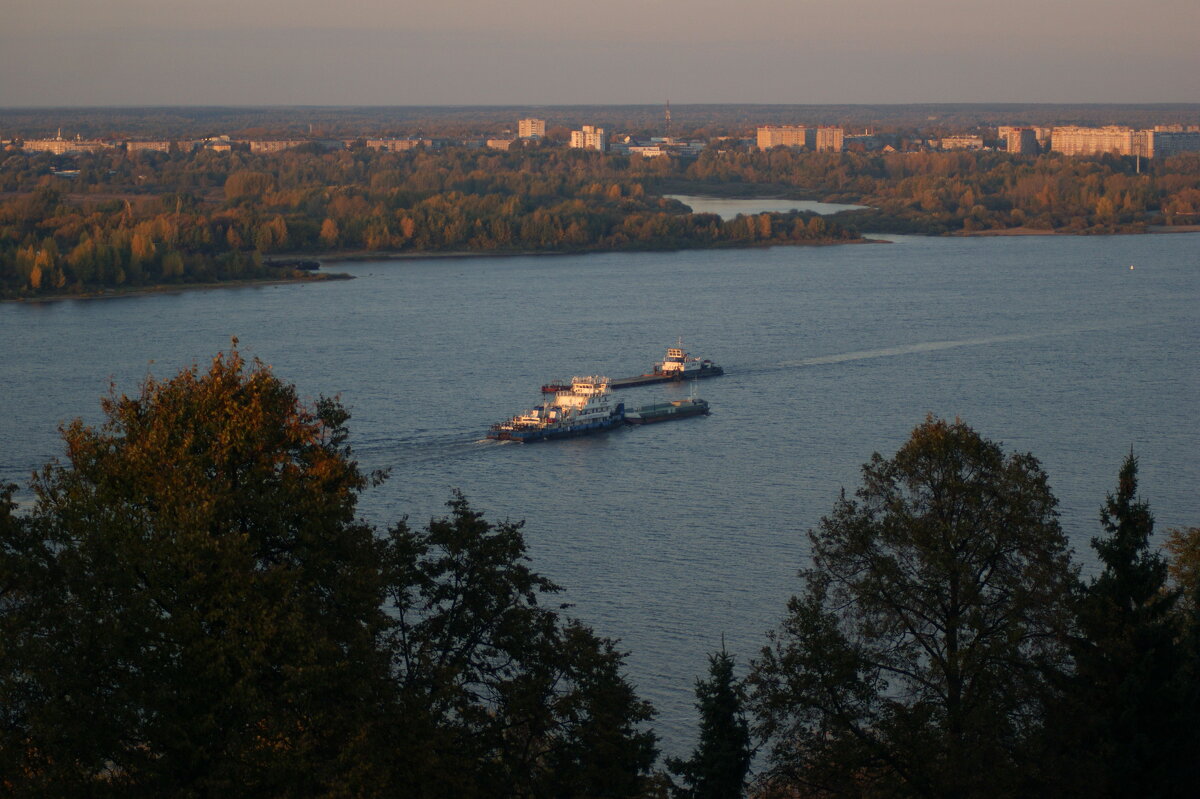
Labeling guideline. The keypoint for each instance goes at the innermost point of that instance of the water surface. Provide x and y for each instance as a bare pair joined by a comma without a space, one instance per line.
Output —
668,536
729,207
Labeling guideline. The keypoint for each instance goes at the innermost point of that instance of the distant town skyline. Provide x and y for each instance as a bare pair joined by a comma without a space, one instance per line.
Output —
468,52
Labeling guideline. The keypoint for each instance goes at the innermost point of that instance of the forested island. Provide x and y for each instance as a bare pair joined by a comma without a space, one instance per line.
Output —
113,220
161,218
190,606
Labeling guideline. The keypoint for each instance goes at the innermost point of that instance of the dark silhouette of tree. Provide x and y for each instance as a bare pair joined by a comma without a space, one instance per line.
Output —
911,663
717,768
1128,726
191,608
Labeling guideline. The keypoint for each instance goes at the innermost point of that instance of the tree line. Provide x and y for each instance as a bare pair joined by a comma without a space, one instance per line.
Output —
151,218
113,220
937,193
190,606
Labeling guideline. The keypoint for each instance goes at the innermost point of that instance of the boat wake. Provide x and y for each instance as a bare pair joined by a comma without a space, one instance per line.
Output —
909,349
919,347
396,453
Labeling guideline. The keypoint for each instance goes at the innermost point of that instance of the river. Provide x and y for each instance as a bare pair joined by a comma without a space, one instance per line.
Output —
672,536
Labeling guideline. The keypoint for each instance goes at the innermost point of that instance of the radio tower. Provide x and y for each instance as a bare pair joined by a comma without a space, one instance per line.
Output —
667,115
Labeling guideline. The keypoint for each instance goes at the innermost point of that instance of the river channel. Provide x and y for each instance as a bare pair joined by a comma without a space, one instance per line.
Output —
671,536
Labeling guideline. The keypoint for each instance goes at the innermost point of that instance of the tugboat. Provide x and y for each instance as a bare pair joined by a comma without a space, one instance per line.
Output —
678,365
667,411
582,409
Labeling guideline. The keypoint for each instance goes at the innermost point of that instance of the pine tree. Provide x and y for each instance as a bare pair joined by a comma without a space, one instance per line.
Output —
718,766
1128,714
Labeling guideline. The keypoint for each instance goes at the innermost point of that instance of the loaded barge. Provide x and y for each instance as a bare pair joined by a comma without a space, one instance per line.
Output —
676,367
667,411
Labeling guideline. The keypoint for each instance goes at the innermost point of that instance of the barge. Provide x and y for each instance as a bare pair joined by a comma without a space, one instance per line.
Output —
583,408
667,411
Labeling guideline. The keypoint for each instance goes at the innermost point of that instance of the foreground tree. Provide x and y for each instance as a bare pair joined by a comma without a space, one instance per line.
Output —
1129,723
192,609
717,768
912,662
490,677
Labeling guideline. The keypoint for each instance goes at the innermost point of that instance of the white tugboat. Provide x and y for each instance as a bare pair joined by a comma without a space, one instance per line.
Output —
678,365
583,408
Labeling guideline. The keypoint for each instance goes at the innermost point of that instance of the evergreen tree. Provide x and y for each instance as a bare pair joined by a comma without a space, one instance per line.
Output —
718,766
1130,710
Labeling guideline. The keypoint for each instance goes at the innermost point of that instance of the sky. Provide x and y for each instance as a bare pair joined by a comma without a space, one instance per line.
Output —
555,52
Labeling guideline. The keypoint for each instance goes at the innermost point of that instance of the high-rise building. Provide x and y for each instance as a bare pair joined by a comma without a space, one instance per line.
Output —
1022,141
1165,143
830,139
1073,140
1157,143
785,136
531,128
590,138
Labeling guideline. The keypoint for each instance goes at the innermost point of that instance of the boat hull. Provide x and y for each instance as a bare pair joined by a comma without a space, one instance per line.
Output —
658,377
532,434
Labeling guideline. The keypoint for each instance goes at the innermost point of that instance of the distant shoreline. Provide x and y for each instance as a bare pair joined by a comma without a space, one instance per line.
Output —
173,288
1027,231
330,258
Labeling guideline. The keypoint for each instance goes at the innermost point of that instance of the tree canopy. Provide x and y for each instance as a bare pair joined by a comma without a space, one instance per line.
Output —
911,662
192,608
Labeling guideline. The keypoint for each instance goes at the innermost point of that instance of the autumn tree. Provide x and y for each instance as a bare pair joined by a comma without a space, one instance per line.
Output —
207,615
912,661
192,608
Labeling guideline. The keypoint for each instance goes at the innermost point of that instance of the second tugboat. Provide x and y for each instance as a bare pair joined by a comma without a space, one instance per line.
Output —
678,365
582,409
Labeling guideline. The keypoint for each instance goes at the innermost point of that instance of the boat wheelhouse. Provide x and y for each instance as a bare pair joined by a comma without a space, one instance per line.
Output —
586,407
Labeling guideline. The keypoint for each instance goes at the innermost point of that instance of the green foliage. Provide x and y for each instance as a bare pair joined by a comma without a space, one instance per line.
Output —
912,662
718,766
207,607
191,608
1128,716
490,677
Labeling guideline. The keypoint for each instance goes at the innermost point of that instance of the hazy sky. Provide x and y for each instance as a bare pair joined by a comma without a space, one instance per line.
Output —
515,52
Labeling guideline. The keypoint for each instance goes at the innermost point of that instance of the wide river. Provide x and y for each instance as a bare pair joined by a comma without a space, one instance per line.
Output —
672,536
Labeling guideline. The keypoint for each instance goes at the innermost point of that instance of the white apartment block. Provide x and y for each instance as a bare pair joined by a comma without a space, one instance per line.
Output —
1073,140
785,136
590,138
531,128
830,139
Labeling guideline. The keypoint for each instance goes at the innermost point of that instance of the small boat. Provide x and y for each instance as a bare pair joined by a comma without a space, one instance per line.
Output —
584,408
667,411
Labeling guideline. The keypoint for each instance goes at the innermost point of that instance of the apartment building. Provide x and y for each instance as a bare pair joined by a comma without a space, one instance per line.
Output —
531,128
830,139
589,138
785,136
961,143
1021,141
